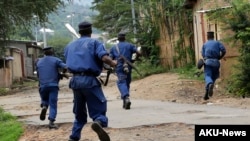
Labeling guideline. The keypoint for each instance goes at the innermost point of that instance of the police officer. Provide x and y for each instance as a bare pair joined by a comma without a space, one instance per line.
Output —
85,58
47,69
123,70
212,52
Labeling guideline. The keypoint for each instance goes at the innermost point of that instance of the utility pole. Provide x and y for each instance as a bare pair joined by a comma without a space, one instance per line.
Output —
134,24
72,24
44,37
133,16
36,20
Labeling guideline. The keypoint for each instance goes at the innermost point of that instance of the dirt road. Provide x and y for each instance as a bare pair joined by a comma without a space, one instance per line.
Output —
165,88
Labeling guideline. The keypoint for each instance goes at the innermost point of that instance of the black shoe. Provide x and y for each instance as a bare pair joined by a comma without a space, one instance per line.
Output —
103,136
126,103
43,113
210,89
206,97
52,125
72,140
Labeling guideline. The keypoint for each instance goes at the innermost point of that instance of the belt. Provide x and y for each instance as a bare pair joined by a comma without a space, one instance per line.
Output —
210,58
83,74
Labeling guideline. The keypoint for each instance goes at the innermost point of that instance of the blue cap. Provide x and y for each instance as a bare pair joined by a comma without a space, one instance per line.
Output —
47,48
210,33
121,35
84,25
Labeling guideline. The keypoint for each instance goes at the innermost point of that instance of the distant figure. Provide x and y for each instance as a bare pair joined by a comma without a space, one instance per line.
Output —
212,52
123,69
85,58
48,74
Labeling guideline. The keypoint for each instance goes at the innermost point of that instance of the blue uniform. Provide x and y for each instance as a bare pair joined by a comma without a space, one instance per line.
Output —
83,59
211,52
47,70
124,79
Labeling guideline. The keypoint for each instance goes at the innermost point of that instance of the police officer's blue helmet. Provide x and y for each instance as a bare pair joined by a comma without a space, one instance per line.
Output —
210,34
85,28
84,25
121,36
48,50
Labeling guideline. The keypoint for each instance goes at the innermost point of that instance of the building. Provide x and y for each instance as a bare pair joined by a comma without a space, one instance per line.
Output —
202,24
18,62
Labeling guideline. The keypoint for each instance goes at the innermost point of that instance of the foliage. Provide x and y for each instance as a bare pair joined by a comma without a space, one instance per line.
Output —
10,128
54,17
116,12
3,91
13,14
119,17
150,17
58,43
189,72
16,15
23,84
237,19
146,68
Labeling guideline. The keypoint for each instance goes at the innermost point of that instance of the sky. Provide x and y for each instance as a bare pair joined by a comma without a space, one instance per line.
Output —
83,2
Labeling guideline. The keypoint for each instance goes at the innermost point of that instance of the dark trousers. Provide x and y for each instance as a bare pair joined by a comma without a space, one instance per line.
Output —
91,100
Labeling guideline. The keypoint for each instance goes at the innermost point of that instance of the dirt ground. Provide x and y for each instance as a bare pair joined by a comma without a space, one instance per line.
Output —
163,87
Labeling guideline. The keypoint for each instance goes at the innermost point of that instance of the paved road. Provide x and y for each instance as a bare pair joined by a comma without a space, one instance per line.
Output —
143,112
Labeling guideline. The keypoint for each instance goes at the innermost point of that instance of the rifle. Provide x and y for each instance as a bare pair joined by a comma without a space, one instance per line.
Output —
130,64
110,70
127,61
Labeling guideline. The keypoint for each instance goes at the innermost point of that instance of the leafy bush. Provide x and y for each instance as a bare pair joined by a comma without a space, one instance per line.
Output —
10,128
189,72
146,68
3,91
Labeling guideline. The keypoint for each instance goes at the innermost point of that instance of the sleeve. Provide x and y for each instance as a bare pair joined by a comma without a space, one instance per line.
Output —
60,63
65,52
133,48
100,50
203,51
222,48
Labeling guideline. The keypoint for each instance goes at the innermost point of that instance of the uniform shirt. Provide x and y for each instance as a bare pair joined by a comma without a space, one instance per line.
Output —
126,49
85,55
47,69
212,49
211,52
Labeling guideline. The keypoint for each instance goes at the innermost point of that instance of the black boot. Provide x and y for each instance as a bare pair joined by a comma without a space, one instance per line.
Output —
43,113
97,127
210,89
52,125
126,103
206,97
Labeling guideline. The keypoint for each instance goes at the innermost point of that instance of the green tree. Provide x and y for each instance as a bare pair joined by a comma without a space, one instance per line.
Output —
237,19
151,18
58,43
19,15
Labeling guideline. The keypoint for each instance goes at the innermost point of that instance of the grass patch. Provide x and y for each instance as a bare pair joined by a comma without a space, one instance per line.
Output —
22,84
145,68
3,91
10,128
189,72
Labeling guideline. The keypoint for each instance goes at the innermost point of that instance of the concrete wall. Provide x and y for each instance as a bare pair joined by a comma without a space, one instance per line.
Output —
5,77
24,54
